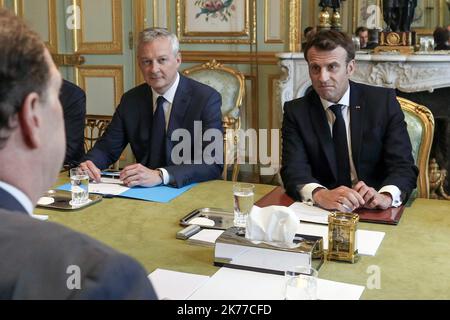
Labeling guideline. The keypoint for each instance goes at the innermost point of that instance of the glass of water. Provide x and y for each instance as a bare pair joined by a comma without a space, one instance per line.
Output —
301,283
243,203
79,180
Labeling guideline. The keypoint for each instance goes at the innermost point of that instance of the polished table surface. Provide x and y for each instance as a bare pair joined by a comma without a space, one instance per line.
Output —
413,259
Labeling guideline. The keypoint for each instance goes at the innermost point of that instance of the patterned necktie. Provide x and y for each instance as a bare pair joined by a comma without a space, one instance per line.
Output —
341,147
158,138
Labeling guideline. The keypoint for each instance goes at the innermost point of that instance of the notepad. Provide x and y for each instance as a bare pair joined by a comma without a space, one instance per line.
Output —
305,212
174,285
205,237
235,284
162,194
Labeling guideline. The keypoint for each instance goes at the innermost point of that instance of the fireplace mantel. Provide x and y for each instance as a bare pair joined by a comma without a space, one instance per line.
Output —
407,73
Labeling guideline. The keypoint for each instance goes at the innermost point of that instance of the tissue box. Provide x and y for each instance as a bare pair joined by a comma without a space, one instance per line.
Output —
235,251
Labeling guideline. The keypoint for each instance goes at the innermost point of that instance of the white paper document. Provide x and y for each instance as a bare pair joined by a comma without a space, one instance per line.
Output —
172,285
111,180
205,237
107,188
367,241
308,213
234,284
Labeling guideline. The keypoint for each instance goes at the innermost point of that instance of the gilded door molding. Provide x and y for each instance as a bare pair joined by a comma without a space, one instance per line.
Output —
139,10
282,22
52,43
294,25
100,47
102,71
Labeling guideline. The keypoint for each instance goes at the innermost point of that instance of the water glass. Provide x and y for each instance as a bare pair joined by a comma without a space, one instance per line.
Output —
79,180
301,283
243,203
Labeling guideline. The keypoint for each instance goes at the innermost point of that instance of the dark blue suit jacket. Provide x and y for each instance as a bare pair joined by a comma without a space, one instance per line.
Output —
132,123
381,147
36,257
73,101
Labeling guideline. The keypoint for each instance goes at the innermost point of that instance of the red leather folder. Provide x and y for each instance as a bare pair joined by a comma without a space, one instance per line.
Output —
389,216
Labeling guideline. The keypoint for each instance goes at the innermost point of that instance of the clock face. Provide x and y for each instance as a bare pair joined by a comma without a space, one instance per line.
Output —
393,39
341,240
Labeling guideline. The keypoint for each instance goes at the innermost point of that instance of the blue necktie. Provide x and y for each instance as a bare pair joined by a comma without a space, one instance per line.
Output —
341,147
158,138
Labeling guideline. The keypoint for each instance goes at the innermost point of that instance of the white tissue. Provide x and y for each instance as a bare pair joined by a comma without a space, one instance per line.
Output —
272,224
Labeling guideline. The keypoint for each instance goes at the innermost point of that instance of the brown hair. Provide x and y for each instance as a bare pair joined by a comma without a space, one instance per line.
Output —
328,40
23,68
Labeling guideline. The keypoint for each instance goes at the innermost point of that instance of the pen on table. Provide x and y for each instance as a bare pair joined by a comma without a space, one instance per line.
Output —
347,208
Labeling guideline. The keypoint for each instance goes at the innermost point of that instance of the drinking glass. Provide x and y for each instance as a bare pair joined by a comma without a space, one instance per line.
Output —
79,180
243,203
301,283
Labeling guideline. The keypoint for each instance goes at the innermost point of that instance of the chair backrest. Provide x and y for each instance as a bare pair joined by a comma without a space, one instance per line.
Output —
95,126
230,83
420,126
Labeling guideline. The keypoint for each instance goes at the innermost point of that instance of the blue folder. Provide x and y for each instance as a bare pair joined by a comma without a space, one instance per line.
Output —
162,194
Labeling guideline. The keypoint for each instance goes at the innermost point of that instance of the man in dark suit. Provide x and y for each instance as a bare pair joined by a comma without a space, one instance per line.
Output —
345,145
73,102
42,260
151,116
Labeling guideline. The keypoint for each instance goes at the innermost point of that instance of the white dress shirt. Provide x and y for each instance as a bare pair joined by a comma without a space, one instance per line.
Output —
169,95
21,197
307,190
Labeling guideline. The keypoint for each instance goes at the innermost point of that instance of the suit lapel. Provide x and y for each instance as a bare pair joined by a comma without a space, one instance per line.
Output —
180,105
356,123
320,123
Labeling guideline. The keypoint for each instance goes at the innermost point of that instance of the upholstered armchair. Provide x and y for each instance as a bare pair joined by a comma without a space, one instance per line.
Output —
420,126
230,83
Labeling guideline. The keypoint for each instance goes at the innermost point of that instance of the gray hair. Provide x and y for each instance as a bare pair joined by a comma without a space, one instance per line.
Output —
151,34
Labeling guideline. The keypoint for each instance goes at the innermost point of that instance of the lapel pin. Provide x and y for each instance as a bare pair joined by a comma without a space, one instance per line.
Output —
358,107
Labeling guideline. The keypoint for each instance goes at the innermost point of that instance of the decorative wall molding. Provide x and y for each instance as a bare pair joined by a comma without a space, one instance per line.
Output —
52,43
294,25
267,58
139,10
268,7
101,47
102,71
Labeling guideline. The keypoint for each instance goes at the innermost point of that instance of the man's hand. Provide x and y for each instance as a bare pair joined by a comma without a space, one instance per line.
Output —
92,170
372,198
138,175
342,198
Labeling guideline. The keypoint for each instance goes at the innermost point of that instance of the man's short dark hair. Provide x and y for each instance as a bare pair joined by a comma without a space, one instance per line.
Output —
307,29
328,40
359,30
23,68
441,35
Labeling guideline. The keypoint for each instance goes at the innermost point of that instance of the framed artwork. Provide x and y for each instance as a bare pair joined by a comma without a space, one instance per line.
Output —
419,15
427,16
215,21
367,13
